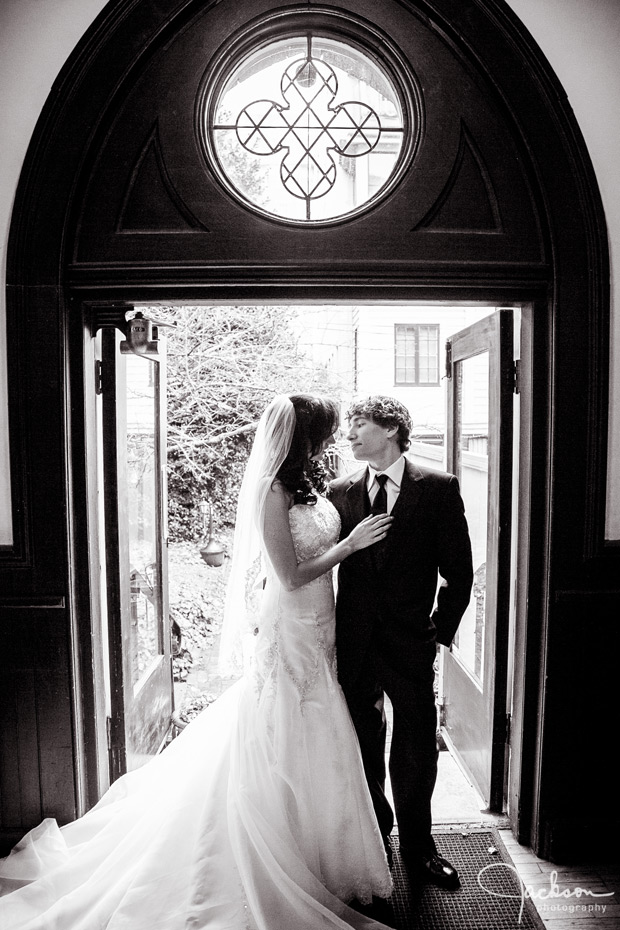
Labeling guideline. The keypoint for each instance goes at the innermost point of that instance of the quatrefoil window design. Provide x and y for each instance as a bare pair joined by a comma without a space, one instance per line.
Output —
299,153
309,129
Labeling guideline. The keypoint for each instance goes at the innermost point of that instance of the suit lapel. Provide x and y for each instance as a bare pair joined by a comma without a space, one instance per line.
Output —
357,497
358,507
408,498
410,491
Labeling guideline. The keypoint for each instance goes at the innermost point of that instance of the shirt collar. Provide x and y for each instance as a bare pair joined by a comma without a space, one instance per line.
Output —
394,472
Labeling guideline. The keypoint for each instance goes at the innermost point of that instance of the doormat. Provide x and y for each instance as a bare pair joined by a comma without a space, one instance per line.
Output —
490,896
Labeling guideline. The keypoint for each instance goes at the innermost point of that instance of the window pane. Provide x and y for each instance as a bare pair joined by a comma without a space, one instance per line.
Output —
473,422
416,352
146,608
404,337
308,128
429,354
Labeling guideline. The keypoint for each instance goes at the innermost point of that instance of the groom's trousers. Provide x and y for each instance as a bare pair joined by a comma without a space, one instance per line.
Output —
413,752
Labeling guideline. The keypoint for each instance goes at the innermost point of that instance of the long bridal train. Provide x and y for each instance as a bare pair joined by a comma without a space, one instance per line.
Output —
257,817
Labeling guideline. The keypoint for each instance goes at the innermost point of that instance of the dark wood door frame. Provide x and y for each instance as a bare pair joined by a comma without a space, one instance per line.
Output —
567,297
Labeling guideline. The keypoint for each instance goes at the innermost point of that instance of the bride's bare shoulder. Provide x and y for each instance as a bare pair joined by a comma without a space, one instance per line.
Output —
280,494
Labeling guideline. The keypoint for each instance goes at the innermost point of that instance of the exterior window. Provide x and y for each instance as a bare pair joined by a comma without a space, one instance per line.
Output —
416,352
308,127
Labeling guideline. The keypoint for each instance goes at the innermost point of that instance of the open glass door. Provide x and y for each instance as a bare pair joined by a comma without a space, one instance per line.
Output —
479,452
133,388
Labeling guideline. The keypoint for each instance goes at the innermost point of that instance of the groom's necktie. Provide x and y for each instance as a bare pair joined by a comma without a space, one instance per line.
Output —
379,504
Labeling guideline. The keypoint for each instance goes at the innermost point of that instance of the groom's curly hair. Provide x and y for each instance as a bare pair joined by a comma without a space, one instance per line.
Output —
386,411
316,419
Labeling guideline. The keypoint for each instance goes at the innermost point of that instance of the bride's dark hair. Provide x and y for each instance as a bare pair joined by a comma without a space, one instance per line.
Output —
316,419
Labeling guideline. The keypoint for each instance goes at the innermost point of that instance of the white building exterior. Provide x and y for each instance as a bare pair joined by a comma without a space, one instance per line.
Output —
360,345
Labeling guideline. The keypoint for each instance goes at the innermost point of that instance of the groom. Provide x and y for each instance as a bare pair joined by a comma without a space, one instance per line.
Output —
388,623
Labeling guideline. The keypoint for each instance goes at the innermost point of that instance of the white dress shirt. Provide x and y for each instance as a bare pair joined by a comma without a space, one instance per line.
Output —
392,485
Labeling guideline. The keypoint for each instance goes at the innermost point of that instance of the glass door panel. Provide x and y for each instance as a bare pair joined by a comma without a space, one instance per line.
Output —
471,379
136,553
145,644
479,450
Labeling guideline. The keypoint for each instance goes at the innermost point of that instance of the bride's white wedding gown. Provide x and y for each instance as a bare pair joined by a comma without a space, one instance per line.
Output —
257,817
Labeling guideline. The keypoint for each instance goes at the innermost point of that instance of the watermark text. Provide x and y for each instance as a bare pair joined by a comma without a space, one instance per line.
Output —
564,898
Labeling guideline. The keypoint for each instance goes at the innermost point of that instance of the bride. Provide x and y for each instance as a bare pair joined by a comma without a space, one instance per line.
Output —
257,817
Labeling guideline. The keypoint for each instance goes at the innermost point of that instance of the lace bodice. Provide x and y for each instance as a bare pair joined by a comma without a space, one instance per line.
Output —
315,528
296,630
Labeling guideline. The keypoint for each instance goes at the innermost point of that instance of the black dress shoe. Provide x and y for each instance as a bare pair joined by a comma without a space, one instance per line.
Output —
433,869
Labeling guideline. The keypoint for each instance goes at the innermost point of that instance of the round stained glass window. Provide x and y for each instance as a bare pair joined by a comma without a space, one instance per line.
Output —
308,128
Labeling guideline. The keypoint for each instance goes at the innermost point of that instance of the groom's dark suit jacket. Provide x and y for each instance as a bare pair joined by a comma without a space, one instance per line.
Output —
385,600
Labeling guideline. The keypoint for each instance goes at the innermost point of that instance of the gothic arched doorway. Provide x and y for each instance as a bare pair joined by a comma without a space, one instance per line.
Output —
493,199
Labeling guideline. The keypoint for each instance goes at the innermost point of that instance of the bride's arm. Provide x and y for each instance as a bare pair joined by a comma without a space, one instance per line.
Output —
281,551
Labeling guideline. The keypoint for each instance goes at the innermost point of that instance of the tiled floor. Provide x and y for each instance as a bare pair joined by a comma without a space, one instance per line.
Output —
566,897
571,897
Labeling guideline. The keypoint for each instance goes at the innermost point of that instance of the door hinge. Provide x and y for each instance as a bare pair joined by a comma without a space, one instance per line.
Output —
516,377
108,727
448,359
98,376
508,722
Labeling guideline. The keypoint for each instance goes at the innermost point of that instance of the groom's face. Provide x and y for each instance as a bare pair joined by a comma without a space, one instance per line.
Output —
369,440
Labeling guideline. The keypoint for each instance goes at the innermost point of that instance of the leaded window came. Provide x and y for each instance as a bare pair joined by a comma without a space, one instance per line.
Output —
308,128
